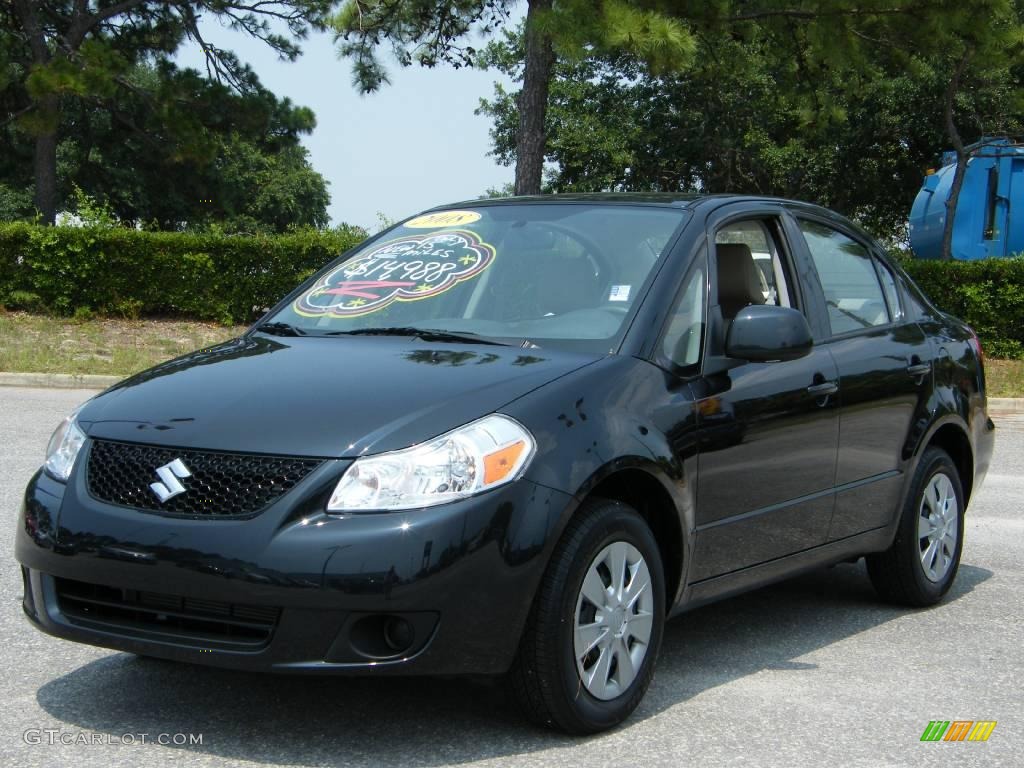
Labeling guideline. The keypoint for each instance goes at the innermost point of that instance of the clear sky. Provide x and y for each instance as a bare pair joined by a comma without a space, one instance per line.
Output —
414,144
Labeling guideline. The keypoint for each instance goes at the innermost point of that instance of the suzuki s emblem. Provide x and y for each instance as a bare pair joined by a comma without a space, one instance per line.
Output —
169,485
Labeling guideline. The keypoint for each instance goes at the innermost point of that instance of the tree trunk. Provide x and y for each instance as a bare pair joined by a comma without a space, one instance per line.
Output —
949,104
47,108
45,161
531,140
951,203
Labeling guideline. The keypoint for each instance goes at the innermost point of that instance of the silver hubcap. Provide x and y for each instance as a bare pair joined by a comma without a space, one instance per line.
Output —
613,620
938,526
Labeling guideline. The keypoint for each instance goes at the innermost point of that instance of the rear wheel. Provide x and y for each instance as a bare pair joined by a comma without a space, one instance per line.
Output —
920,566
592,639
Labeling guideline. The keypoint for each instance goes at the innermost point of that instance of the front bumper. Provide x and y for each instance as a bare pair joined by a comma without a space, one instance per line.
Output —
462,575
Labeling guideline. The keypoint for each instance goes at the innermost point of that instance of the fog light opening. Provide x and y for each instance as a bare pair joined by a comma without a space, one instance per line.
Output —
381,637
398,634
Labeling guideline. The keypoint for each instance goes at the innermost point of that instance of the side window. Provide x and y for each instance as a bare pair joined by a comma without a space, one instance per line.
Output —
848,278
760,244
684,336
892,293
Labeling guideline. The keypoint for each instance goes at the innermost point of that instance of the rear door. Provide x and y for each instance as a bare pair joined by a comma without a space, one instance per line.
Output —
885,369
767,432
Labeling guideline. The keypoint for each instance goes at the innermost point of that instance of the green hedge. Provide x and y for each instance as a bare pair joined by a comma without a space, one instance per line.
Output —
227,278
987,294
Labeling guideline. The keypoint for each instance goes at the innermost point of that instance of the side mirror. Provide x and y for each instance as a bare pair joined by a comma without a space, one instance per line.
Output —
763,333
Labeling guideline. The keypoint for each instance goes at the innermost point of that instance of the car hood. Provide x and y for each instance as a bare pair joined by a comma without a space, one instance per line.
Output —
326,397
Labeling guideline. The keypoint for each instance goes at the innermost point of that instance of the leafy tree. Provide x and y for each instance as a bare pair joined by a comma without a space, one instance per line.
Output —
15,203
431,32
743,118
207,156
812,39
54,53
264,192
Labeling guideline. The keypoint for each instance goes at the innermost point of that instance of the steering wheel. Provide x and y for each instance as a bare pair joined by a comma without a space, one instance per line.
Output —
588,245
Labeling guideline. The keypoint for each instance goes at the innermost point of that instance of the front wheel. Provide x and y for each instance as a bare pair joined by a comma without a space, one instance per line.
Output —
592,638
920,566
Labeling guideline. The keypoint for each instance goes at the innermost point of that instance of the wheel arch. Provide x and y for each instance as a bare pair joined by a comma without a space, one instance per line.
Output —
951,436
640,488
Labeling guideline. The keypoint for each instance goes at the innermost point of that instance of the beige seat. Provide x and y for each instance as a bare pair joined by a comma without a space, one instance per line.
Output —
739,282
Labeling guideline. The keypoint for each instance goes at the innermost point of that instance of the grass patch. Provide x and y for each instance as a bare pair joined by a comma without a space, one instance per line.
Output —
1005,378
40,344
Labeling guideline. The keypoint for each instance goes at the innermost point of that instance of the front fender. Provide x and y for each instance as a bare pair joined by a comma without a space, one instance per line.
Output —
618,415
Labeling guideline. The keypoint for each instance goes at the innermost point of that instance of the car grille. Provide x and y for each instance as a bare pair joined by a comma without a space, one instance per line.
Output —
220,485
166,618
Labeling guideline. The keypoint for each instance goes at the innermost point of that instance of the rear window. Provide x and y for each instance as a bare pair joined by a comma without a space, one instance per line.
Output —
847,273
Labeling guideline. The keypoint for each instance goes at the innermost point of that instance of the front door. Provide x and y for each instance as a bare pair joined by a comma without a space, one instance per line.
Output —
767,432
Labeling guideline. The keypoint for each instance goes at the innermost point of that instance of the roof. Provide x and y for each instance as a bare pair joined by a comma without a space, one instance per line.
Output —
671,199
665,199
680,200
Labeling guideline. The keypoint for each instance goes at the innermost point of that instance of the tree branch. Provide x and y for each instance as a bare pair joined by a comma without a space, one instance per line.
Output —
798,13
84,22
949,100
216,68
15,115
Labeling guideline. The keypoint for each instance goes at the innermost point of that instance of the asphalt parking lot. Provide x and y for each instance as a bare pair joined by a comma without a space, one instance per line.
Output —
812,672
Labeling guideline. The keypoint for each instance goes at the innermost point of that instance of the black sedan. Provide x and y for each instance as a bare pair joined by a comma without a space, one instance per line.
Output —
513,437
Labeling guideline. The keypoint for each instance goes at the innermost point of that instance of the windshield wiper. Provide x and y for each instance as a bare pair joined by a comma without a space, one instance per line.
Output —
427,334
280,329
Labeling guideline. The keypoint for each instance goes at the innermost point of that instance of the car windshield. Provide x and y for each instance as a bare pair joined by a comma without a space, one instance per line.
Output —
563,274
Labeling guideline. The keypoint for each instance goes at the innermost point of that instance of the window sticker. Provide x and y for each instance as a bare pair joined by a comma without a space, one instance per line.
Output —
408,269
619,293
443,219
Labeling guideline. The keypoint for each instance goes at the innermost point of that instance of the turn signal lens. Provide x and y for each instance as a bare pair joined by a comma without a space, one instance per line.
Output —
498,465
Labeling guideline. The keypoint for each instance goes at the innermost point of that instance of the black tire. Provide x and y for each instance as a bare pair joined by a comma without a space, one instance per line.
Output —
898,574
544,677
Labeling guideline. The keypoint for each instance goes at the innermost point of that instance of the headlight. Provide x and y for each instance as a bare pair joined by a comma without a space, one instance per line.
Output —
473,458
63,448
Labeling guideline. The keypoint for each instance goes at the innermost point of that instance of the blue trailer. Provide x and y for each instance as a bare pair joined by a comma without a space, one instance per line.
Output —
990,214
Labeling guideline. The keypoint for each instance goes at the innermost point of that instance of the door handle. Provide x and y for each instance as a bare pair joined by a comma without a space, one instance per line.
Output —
824,389
919,369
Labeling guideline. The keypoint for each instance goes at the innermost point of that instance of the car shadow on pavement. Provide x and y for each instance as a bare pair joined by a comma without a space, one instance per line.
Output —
429,722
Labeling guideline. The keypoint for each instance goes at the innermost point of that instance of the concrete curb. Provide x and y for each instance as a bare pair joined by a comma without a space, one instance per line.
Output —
58,380
1006,404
